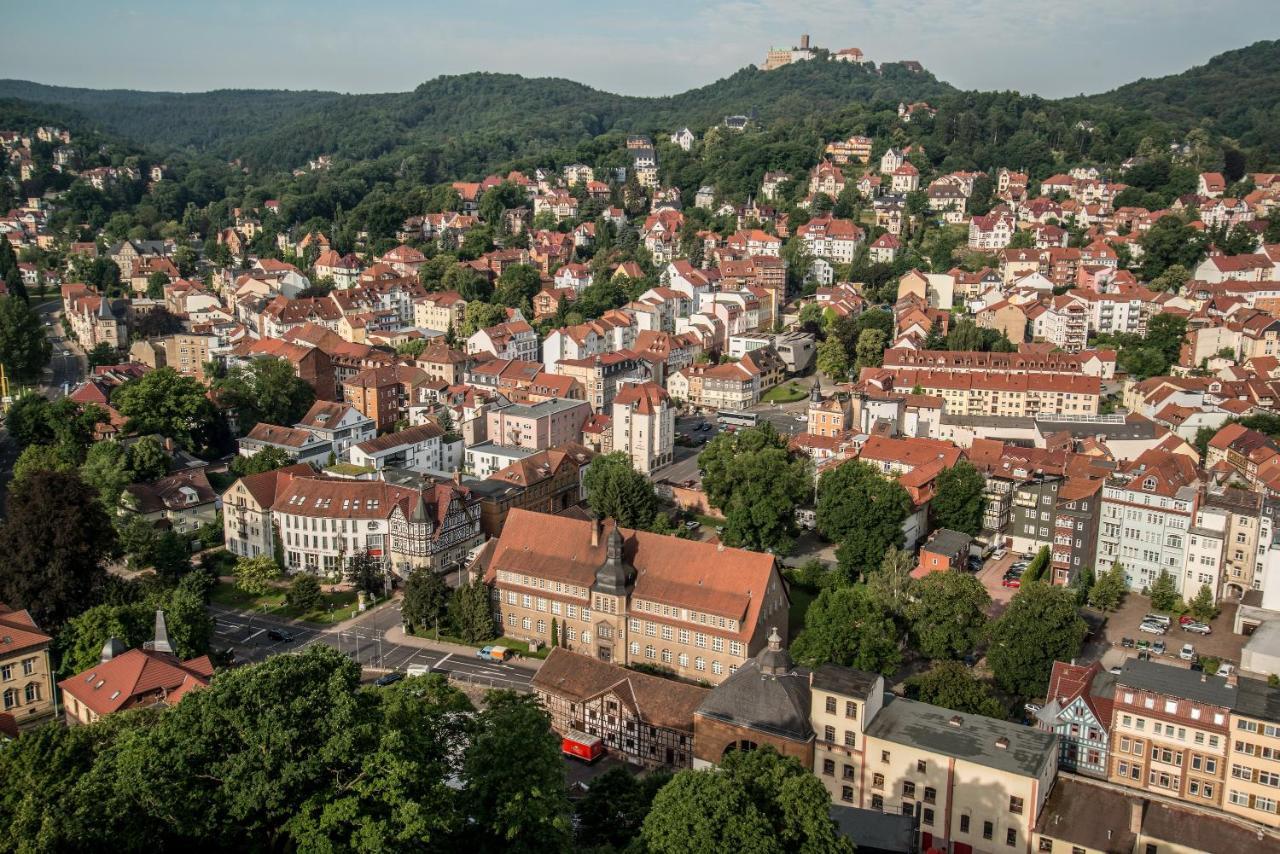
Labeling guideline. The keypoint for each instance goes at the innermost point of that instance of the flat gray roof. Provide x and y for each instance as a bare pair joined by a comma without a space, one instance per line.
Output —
1176,682
917,724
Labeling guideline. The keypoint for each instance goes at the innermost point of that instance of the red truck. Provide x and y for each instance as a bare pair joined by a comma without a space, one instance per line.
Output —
582,746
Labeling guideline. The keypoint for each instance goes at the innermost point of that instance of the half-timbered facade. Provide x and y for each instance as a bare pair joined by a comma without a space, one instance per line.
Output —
1078,709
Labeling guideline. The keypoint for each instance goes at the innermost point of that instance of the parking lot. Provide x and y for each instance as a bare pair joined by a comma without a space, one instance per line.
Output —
991,576
1221,644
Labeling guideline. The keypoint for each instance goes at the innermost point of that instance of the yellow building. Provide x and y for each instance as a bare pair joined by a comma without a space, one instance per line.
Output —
843,702
979,783
1253,758
26,682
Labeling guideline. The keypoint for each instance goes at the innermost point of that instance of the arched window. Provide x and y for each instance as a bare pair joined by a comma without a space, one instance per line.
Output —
740,744
33,692
10,698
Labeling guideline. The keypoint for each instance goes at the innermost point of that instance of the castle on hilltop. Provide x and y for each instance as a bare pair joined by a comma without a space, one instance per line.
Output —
776,57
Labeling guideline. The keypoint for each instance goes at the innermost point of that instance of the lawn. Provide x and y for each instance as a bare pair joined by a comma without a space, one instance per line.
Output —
784,393
510,643
334,607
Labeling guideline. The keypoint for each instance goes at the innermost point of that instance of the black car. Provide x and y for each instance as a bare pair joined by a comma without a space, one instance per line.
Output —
1127,643
279,635
388,679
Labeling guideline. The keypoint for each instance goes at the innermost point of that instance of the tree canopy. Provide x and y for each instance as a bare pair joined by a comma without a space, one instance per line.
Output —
756,482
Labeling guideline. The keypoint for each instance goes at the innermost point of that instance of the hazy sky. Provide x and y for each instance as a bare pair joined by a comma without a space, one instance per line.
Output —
1050,47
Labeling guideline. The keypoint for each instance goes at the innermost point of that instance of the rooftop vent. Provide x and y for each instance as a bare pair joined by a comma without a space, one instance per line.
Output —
956,721
1002,743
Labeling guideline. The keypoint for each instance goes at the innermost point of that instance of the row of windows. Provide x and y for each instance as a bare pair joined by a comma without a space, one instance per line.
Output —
6,670
31,693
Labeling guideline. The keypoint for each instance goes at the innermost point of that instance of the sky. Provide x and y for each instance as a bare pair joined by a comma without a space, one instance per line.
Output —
659,47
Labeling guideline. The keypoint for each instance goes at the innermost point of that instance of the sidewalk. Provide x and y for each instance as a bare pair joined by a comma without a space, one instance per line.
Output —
397,635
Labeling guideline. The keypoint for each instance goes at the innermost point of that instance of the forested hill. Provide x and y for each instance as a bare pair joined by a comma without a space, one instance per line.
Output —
280,128
1237,93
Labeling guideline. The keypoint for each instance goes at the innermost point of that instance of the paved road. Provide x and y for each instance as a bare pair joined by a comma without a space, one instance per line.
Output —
374,640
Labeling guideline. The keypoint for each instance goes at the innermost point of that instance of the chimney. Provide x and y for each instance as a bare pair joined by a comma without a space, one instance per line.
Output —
1002,743
804,42
955,721
160,641
457,478
1135,817
595,533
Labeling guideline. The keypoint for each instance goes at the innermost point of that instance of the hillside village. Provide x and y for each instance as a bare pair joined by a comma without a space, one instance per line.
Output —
721,466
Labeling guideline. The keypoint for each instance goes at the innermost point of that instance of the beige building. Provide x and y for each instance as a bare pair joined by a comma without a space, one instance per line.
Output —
727,386
643,426
978,782
246,510
698,610
842,702
1253,757
830,417
1020,395
439,311
184,352
26,675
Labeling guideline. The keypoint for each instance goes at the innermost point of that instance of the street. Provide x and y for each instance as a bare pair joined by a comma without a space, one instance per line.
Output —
375,640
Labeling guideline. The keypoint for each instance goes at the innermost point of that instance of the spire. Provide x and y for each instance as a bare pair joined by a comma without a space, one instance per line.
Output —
815,393
419,513
615,576
104,309
160,643
774,660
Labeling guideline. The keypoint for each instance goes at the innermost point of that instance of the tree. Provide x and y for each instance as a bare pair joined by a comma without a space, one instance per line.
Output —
106,469
38,458
170,404
24,348
470,614
957,502
869,352
266,390
267,459
365,572
755,802
52,542
156,324
890,584
102,354
517,286
952,685
155,285
846,625
513,777
481,315
1164,592
148,459
1039,627
756,482
1174,277
1203,608
613,811
469,283
304,593
27,419
617,491
1168,242
863,512
948,614
425,599
1036,569
832,359
170,556
254,575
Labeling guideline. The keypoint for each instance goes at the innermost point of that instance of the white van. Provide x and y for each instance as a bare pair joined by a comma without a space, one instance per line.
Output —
1158,618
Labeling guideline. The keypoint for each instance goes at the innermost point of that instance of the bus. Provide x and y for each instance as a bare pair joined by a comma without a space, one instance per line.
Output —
582,746
736,418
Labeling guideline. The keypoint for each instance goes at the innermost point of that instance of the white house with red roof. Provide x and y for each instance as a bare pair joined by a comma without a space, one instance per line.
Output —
643,426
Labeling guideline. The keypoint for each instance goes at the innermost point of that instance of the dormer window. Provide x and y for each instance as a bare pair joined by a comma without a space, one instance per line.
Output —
1149,484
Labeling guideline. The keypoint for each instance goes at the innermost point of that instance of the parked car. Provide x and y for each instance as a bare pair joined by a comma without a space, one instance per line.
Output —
1159,648
1197,628
1187,653
1114,669
693,524
1226,668
1186,618
999,553
1127,643
974,563
1151,628
1143,644
388,679
1158,618
279,635
802,417
1032,708
494,653
702,425
1011,580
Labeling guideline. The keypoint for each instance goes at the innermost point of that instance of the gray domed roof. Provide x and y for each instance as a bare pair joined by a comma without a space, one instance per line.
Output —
767,693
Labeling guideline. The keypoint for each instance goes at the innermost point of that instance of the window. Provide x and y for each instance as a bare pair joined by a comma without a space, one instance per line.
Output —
850,738
850,710
964,824
1011,836
6,672
1047,845
988,830
848,771
908,789
1015,805
829,767
884,756
930,794
846,793
921,765
877,803
32,692
926,816
829,733
831,705
877,781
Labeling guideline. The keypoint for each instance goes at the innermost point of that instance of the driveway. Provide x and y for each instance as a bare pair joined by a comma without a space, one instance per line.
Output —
991,575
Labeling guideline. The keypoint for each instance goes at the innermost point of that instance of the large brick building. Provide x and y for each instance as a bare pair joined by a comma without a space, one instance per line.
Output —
699,610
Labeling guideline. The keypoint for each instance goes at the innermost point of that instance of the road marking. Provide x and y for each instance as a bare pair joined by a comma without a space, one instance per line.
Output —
254,635
441,662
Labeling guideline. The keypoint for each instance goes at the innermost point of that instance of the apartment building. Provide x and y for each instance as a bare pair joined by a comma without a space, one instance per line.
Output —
1170,733
1009,395
601,376
246,510
1075,528
1253,757
185,352
26,672
385,394
420,448
713,387
439,311
979,783
545,482
1078,710
298,444
538,426
341,425
697,609
1148,509
643,426
1222,547
1030,359
512,339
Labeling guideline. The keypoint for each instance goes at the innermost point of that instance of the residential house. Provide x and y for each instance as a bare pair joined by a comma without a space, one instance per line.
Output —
26,671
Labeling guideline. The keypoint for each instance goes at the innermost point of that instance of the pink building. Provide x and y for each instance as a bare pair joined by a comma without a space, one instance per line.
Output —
539,426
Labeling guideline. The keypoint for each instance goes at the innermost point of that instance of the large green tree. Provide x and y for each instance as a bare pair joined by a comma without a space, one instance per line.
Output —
756,483
755,802
613,811
1039,627
952,685
948,614
266,390
617,491
426,599
849,626
957,501
52,544
470,613
862,511
24,348
513,778
170,404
